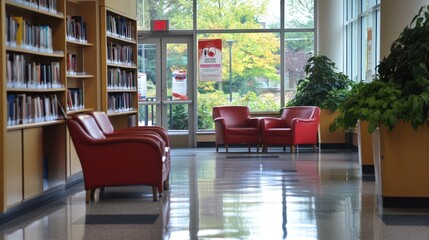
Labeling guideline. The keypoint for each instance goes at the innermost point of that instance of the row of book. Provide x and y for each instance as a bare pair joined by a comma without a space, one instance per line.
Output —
120,54
121,79
21,73
120,102
76,28
71,64
75,99
119,26
24,109
22,33
44,5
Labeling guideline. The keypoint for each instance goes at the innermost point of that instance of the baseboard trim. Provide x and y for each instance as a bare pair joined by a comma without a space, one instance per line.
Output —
368,169
405,202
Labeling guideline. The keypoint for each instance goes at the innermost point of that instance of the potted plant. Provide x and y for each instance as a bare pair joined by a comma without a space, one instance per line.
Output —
325,88
395,105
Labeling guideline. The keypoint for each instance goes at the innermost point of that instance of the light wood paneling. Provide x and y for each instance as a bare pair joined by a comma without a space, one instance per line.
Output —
128,8
75,166
33,161
13,174
326,136
404,161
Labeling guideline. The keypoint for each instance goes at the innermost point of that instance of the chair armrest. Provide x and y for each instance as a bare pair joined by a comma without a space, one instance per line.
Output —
253,122
271,122
220,122
304,127
123,141
155,129
146,134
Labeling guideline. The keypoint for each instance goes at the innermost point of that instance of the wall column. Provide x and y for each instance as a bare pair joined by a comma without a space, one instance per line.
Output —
330,31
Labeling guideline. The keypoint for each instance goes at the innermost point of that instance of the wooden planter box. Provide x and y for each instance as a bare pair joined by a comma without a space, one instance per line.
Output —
402,165
365,147
326,136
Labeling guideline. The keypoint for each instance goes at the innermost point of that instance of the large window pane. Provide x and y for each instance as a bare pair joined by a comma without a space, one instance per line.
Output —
254,80
238,14
179,12
299,46
299,13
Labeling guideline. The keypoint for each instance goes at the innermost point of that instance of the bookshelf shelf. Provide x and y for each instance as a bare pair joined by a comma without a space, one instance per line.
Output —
22,8
34,125
80,75
36,90
119,38
80,43
121,113
33,52
121,66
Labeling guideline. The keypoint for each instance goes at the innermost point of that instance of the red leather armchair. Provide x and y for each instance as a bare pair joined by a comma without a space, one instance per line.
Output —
118,160
296,125
233,125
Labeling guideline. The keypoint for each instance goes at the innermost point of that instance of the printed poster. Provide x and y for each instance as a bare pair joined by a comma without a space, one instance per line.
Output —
179,85
210,59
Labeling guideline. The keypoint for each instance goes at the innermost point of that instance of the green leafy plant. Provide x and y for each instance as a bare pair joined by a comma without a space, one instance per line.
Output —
400,90
322,86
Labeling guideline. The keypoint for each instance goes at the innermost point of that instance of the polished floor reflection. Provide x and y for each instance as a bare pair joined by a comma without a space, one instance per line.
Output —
236,195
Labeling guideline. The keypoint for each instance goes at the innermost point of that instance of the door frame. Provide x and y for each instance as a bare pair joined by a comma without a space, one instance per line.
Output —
178,138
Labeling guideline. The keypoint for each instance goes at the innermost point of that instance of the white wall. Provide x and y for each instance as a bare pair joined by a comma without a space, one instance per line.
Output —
395,16
330,30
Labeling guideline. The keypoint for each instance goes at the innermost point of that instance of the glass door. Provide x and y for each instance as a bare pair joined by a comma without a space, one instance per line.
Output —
165,84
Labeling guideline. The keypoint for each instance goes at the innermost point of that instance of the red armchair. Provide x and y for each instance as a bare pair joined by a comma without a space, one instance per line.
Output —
296,125
118,160
233,125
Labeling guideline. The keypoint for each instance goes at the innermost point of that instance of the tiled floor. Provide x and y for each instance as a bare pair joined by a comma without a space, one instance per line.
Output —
238,195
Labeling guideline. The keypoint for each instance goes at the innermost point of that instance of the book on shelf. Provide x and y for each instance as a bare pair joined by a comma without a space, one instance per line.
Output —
21,73
119,26
76,28
71,64
24,108
74,99
19,23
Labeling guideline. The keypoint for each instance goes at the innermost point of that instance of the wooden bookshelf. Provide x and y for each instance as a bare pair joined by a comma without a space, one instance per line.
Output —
33,77
3,118
82,78
38,156
119,65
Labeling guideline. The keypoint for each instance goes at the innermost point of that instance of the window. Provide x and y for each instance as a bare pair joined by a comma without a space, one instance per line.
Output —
362,21
270,41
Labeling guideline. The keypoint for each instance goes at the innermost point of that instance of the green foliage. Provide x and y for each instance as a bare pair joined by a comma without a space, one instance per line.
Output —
255,102
179,114
400,91
206,102
322,87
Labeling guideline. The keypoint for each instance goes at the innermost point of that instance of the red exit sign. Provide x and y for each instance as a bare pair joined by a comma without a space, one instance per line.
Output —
159,25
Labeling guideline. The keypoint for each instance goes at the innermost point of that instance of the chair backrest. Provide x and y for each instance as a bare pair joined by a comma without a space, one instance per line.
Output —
304,112
103,121
235,116
88,123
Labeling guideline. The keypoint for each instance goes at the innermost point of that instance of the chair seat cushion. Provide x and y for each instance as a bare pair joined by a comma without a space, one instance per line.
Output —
278,132
243,131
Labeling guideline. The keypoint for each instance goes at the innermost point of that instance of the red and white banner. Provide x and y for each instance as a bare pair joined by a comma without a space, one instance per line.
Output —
179,85
210,59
